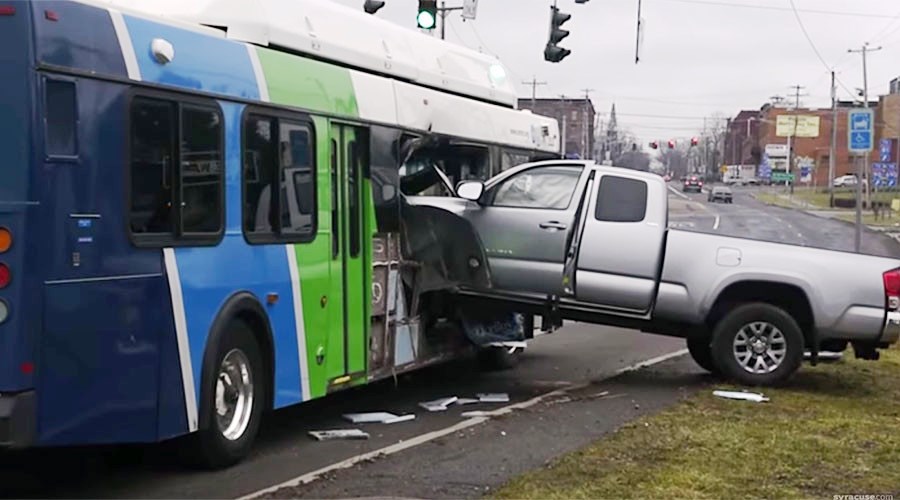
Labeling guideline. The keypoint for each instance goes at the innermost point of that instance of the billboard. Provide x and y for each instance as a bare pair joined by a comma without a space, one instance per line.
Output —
797,126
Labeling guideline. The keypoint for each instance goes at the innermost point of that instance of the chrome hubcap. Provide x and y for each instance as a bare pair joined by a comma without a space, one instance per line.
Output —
759,347
234,395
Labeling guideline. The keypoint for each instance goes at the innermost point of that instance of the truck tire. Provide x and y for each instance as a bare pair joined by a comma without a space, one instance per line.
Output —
701,352
233,401
757,344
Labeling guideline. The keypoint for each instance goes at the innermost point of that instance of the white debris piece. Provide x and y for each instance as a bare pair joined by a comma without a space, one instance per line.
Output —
466,401
339,434
439,404
401,418
499,397
378,417
745,396
476,413
518,344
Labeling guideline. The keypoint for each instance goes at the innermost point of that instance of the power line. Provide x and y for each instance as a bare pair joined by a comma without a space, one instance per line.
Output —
813,45
785,9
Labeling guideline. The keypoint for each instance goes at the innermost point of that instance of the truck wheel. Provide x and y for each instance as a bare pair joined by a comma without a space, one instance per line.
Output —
232,402
702,353
498,358
757,344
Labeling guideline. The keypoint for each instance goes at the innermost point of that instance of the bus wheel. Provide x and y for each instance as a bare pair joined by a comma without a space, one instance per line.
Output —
499,358
233,400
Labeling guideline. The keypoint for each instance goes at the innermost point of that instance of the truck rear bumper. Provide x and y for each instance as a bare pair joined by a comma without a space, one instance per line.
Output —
18,418
890,333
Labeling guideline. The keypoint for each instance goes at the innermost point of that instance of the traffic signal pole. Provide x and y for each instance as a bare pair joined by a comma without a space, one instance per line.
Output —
445,11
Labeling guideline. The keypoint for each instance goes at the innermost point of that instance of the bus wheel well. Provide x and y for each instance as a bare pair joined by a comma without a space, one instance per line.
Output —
790,298
245,308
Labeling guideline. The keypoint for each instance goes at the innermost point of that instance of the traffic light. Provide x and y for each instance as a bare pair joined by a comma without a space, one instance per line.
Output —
372,6
694,141
672,144
553,52
654,145
427,16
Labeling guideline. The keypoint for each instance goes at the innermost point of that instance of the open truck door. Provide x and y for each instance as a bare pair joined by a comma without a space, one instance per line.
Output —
614,257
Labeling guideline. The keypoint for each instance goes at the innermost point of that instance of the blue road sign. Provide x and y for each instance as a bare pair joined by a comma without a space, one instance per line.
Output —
884,147
859,130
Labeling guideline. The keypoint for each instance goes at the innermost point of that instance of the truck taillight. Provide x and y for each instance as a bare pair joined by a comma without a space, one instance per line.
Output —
892,288
5,239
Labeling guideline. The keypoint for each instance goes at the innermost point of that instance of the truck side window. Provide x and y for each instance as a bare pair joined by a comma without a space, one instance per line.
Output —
542,187
620,199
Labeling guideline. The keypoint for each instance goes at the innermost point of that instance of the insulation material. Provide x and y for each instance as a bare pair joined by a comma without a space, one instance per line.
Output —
486,328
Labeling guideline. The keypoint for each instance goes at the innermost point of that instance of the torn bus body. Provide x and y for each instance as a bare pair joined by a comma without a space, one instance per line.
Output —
422,255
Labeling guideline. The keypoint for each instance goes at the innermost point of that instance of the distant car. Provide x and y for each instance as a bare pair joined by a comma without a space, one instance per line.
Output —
720,193
844,181
749,181
692,183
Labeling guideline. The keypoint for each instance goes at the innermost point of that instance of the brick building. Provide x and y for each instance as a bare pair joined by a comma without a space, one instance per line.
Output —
750,132
576,121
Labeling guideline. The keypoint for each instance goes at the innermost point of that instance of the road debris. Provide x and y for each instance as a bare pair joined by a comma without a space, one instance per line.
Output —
339,434
499,397
439,404
745,396
378,417
476,413
466,401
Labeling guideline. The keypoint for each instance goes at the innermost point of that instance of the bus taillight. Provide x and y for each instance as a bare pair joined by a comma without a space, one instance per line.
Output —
5,239
5,275
7,10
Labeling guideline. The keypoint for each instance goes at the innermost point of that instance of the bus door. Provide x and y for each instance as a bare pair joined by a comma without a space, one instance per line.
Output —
350,274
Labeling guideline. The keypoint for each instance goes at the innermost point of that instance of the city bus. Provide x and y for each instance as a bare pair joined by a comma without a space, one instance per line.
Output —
203,216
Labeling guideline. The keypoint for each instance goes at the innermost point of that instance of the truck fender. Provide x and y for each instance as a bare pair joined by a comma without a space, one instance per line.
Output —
792,279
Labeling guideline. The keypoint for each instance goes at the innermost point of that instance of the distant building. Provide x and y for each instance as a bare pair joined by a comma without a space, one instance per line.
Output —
576,122
741,147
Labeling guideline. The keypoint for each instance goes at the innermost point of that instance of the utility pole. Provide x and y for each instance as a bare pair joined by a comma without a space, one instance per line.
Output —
564,125
860,168
534,85
833,149
445,11
790,165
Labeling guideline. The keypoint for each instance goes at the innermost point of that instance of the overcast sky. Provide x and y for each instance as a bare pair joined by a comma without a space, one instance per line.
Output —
699,57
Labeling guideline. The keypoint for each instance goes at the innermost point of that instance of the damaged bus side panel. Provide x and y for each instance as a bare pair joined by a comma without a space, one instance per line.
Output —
420,256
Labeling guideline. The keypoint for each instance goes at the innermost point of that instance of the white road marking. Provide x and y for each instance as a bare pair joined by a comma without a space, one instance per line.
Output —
686,197
716,225
431,436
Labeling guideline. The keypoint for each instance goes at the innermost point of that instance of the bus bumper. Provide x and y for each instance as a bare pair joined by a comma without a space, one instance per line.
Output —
18,419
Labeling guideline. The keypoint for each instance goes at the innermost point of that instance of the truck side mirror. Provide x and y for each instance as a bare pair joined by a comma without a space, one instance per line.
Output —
470,190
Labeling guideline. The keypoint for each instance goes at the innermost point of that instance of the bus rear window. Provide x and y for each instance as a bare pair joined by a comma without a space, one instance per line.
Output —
61,116
176,172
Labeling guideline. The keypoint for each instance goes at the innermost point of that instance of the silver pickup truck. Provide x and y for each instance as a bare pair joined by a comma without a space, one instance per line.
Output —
577,240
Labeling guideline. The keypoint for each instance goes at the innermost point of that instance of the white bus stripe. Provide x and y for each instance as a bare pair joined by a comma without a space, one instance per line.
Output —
258,72
298,320
131,64
184,347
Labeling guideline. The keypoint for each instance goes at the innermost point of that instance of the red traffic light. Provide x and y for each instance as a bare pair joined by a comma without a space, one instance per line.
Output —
671,144
654,145
694,141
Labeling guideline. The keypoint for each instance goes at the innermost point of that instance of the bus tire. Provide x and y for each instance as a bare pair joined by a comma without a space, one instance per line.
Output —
233,399
498,358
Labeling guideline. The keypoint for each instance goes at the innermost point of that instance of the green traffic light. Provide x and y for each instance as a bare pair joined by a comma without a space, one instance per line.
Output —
425,20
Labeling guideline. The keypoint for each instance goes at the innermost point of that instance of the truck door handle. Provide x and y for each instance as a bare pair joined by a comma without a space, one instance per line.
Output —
552,225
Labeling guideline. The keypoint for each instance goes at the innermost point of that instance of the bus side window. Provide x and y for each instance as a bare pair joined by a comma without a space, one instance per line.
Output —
279,180
152,147
176,172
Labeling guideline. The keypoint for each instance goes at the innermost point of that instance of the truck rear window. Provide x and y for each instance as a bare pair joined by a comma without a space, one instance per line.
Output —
620,199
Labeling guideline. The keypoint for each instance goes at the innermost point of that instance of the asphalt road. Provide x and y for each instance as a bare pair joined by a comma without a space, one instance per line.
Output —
462,464
749,218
